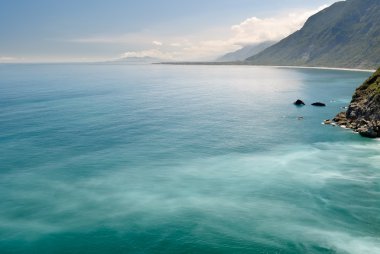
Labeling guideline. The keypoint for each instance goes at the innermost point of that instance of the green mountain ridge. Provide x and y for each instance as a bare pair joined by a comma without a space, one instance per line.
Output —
344,35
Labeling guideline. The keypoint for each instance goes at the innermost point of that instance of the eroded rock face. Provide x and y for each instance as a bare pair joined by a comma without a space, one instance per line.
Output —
363,113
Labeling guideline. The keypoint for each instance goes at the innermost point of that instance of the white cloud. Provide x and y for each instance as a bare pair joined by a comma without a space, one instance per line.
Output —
208,45
101,40
157,43
175,44
114,39
8,59
256,30
250,31
155,53
196,51
206,50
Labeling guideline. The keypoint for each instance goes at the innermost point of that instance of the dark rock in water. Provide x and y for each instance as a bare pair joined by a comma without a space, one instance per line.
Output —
299,103
318,104
363,113
340,119
368,132
327,122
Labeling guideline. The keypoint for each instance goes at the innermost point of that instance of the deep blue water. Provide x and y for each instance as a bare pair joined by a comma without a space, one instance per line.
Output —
182,159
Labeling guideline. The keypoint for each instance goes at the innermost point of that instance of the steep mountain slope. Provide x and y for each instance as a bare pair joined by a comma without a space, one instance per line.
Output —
245,52
346,34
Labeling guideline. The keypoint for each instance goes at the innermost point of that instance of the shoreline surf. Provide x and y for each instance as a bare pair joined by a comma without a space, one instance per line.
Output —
270,66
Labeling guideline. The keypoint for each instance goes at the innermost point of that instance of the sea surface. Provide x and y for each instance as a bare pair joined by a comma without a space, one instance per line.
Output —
183,159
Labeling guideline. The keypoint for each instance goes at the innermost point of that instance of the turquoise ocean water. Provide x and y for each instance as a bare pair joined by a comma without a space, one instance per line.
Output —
182,159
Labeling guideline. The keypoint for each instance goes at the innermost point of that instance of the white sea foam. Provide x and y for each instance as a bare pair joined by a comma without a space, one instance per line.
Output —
342,242
325,68
283,194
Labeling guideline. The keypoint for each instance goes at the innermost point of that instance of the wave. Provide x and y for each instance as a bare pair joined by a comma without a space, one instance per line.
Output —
312,197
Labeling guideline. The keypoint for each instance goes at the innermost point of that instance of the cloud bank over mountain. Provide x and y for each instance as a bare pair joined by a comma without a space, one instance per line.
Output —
252,30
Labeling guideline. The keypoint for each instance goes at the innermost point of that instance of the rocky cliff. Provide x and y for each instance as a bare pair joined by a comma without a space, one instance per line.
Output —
363,113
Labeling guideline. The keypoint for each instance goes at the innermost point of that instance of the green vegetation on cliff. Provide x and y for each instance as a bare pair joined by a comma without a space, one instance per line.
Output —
363,113
346,35
371,86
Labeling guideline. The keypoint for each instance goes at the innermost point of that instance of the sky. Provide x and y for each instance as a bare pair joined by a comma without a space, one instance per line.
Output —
96,30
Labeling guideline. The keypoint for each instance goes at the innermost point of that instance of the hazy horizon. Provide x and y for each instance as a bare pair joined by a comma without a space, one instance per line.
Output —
55,31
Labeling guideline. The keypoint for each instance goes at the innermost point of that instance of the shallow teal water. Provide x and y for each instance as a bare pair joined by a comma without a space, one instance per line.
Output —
182,159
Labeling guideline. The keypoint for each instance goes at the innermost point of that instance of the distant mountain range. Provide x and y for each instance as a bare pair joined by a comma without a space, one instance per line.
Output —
245,52
137,60
346,35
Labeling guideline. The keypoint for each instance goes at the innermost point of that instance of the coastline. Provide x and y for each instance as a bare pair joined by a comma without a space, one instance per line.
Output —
272,66
203,63
323,68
